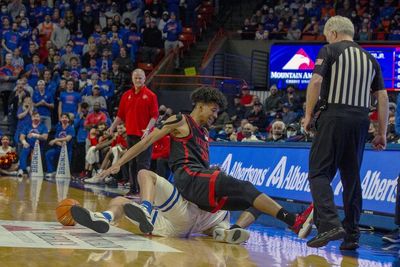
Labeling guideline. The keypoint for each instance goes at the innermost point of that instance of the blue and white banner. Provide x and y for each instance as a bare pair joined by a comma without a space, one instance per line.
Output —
282,172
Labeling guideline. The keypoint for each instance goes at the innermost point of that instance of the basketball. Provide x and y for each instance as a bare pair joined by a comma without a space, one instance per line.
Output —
63,211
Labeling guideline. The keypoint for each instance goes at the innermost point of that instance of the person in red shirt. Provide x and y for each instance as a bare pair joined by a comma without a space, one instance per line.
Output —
95,117
160,156
138,109
117,148
246,100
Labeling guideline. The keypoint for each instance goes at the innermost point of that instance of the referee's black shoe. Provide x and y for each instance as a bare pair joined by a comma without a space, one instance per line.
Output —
324,238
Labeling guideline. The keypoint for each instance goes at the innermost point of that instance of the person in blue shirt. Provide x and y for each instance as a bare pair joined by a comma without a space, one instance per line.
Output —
5,26
25,33
32,132
42,10
52,82
104,63
107,87
34,70
132,40
93,69
81,136
173,28
114,29
75,70
64,133
116,43
97,33
11,40
87,90
4,13
69,101
79,42
24,117
125,29
44,102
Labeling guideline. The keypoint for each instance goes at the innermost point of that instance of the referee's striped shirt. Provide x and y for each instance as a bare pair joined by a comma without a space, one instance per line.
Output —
349,74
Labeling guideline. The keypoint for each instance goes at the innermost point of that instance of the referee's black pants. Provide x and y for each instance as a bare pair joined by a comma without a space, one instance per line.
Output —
338,144
142,161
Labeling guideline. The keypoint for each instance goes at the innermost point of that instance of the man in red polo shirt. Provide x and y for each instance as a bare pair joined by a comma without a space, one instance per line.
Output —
138,109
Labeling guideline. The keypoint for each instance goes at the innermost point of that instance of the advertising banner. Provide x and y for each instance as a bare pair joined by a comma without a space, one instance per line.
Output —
282,172
293,63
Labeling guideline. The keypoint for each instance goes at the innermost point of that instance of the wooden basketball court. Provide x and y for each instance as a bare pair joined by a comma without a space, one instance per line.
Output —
26,241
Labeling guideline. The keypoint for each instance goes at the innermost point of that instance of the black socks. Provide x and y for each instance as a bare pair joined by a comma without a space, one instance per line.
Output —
286,216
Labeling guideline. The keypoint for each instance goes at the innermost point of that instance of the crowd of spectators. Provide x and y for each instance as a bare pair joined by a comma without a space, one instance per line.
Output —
70,62
279,118
304,19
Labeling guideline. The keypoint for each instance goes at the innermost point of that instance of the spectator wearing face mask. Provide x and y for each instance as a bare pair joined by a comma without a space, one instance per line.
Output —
277,133
292,133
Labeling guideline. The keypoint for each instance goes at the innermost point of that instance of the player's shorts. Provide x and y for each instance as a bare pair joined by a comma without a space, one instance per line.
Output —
198,186
177,217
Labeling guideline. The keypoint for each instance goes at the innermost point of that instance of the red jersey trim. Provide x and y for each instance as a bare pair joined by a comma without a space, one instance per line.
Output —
220,205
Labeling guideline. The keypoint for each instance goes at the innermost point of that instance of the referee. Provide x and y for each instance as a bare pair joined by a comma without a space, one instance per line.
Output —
344,77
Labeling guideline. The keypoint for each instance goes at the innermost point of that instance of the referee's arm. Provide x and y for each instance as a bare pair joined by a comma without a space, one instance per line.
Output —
313,92
379,142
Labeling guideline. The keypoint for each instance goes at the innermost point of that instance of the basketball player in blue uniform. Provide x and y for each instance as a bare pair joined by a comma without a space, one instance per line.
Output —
172,216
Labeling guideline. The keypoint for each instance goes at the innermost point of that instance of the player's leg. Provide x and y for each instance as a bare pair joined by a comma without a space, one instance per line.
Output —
23,160
106,161
212,189
51,157
236,233
100,221
141,213
227,186
171,217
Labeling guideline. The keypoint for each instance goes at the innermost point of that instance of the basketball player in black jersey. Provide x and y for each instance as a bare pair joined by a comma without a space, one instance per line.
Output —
210,189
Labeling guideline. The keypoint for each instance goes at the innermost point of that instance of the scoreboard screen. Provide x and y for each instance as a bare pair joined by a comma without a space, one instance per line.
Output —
293,63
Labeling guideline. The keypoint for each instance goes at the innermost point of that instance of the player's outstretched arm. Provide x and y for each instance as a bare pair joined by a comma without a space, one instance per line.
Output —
170,125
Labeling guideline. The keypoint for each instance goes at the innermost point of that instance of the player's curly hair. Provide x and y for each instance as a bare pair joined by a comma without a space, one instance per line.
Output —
209,95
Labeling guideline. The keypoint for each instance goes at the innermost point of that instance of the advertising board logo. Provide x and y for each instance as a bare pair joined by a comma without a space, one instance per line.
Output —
300,61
